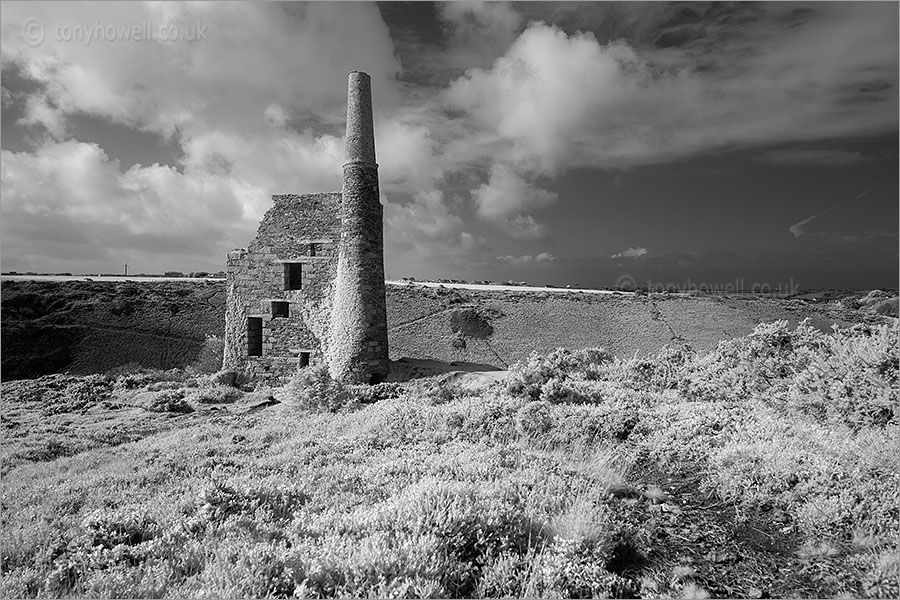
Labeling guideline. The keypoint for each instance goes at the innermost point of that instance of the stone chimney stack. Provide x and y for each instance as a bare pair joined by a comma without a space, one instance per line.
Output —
358,348
360,144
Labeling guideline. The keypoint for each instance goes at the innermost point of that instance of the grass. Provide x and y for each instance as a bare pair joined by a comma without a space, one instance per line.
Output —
756,470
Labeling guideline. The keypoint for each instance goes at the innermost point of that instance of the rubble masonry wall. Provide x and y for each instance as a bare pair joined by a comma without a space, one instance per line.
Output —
255,277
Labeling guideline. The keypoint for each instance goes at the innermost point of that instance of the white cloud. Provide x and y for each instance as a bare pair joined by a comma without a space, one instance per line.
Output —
426,235
797,229
427,216
72,197
276,116
539,97
254,108
556,100
253,56
630,253
527,259
504,199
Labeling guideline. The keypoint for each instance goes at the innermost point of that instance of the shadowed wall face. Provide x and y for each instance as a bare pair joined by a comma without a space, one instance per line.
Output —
358,350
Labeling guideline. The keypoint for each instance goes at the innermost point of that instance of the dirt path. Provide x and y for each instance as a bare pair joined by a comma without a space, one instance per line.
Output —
708,542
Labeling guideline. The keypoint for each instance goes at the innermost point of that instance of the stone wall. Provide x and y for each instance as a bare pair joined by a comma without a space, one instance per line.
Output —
256,278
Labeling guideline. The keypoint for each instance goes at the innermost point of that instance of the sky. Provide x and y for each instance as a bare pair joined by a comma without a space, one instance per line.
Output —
749,145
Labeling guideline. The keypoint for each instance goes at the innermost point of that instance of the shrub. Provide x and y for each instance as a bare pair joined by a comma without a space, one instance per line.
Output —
167,401
763,362
679,435
130,368
313,388
439,393
887,308
883,581
666,370
610,422
220,501
527,379
107,541
80,394
110,528
852,380
219,394
534,419
209,359
830,480
470,524
576,569
144,377
367,394
229,378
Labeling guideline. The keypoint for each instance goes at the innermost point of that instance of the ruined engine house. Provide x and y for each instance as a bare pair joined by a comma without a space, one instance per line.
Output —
310,286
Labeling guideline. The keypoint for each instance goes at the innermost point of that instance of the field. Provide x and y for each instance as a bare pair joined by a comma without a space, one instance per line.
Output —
757,469
85,327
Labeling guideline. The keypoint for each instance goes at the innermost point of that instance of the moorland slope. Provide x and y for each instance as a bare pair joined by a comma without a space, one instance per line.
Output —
92,326
85,327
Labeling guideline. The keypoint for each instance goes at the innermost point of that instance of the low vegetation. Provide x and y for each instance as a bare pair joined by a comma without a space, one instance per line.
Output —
761,469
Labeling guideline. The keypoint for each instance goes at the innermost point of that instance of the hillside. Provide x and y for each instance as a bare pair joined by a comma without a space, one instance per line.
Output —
92,326
499,328
86,327
758,470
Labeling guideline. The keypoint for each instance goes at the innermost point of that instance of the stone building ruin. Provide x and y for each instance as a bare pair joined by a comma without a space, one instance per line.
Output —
310,286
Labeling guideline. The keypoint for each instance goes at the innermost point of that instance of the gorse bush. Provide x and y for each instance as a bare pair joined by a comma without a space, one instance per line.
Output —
220,501
212,352
217,394
852,380
834,483
765,361
527,379
141,377
666,370
167,401
80,395
313,388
